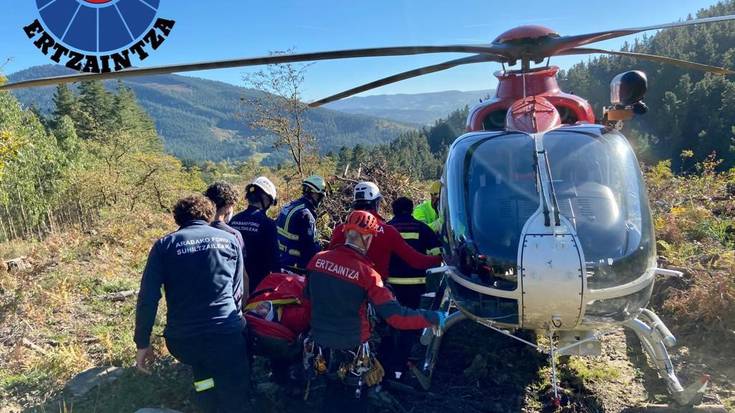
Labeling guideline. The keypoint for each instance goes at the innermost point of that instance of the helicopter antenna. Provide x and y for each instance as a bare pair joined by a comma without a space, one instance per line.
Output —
524,84
555,202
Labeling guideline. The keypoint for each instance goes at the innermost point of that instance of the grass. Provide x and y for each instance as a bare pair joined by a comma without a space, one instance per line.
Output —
589,371
59,306
695,226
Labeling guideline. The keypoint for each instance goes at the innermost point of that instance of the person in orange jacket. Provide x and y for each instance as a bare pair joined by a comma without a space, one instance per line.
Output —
388,240
340,284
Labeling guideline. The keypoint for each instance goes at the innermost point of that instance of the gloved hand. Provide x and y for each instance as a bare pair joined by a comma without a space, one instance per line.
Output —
439,328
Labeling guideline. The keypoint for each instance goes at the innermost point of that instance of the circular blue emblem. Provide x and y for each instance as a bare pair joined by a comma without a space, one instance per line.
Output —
98,26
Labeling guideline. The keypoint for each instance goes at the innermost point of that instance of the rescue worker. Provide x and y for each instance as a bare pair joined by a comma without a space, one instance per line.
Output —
298,239
407,283
340,284
224,197
200,269
258,231
388,240
426,211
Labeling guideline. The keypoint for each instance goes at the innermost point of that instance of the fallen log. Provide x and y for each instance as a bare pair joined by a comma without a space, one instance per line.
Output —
33,346
118,296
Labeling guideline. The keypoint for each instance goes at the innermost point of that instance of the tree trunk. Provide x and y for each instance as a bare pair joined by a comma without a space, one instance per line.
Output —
26,225
5,232
11,225
81,213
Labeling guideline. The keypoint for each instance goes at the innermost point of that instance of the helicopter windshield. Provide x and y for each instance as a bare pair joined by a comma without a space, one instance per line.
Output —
497,178
599,189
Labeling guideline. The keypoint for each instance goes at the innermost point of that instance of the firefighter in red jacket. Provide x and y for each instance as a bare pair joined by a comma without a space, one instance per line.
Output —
340,284
388,240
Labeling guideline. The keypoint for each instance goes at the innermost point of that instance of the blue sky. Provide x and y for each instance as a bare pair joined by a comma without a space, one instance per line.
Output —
236,28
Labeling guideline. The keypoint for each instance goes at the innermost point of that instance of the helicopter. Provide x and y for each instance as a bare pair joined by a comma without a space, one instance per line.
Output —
546,221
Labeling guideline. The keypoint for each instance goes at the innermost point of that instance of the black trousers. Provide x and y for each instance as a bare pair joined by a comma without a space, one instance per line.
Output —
221,370
340,395
396,345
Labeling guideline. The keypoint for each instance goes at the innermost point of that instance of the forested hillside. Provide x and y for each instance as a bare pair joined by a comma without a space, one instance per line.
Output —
201,119
690,112
420,153
94,151
418,108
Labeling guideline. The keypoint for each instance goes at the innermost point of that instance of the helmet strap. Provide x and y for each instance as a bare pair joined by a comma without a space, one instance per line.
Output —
265,202
314,197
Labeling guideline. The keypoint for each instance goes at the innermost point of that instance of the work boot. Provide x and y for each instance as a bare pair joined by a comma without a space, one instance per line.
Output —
379,397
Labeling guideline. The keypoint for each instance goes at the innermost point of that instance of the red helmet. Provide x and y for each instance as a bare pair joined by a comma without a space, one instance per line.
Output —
363,222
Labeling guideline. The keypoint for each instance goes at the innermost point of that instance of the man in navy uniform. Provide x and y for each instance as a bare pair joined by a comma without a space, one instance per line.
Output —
298,239
200,270
259,231
408,283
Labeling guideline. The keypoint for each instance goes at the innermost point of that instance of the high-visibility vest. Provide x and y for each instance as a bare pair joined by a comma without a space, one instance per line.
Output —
297,240
426,213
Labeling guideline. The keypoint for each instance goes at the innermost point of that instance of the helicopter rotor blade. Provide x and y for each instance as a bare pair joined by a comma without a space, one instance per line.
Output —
567,42
653,58
256,61
408,75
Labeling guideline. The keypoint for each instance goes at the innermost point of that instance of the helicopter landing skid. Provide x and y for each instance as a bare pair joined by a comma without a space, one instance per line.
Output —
655,337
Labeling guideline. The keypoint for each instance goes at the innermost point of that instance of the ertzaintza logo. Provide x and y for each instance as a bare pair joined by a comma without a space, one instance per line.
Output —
98,36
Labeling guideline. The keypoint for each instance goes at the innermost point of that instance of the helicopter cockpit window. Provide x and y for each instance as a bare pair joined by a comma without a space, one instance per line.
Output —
600,190
498,180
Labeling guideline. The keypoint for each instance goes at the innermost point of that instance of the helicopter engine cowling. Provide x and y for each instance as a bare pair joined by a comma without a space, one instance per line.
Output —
532,114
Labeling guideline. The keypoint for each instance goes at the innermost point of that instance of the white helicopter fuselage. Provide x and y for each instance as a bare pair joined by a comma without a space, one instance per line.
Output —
553,278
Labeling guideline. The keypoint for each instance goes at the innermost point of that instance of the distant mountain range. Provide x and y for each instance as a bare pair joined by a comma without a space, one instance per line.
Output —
421,108
206,120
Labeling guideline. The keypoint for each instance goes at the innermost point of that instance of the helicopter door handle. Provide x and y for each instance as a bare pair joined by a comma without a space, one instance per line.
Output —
669,273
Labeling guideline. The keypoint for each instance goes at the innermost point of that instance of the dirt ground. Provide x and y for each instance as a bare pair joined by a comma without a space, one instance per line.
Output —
482,371
478,371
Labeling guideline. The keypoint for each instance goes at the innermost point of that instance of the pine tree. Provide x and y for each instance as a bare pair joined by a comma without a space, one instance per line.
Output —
132,120
65,104
67,139
95,118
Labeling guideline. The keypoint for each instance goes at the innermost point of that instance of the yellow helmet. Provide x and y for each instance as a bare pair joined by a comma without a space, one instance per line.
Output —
436,188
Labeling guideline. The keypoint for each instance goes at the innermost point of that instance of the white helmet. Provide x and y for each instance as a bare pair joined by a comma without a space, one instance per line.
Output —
266,186
366,191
